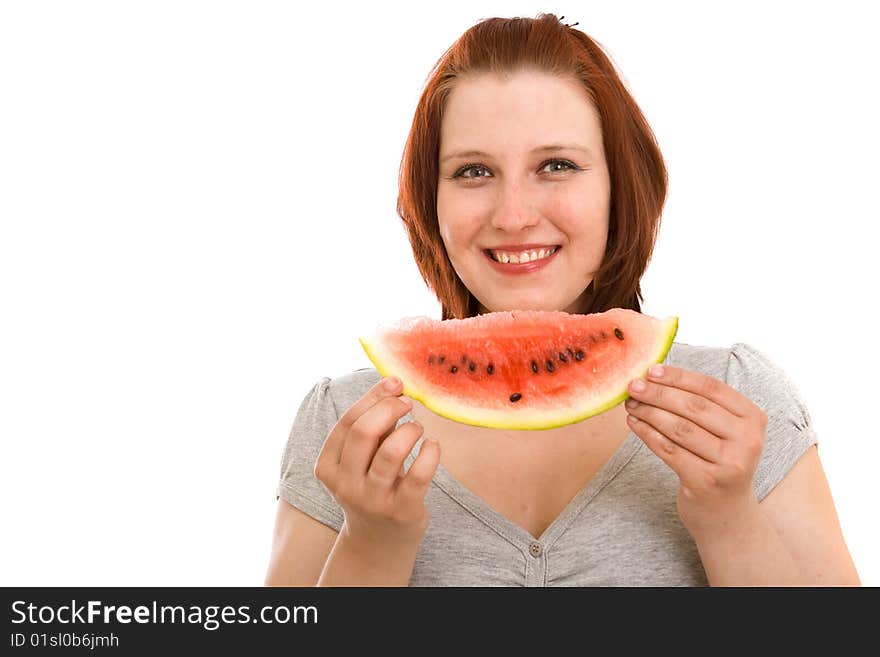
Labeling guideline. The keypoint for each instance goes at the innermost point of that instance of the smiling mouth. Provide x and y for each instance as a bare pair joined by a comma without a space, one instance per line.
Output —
521,257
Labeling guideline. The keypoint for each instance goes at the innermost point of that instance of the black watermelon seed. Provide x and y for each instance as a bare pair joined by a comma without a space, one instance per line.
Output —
490,369
442,358
534,367
515,397
550,366
563,357
570,352
472,367
453,369
618,334
579,355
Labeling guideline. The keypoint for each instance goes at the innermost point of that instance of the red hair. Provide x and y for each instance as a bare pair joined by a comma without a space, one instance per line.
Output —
635,164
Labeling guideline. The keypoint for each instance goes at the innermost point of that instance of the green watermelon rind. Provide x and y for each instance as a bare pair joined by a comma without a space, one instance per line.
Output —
670,329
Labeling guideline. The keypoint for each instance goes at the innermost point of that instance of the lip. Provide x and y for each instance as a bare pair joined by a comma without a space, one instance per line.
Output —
517,248
521,267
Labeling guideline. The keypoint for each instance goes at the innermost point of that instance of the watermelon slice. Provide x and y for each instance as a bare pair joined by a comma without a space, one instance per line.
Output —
521,369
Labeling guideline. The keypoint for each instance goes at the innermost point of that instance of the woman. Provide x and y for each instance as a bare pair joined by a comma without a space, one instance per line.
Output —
531,180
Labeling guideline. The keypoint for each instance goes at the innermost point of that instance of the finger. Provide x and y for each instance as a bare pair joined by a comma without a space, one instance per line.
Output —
387,387
679,430
388,462
412,487
683,462
720,393
367,432
700,410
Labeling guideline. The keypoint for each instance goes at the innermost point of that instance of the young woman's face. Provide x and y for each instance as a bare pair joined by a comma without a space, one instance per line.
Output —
523,195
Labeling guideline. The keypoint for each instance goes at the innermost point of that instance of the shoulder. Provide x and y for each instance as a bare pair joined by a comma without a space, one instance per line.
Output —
330,397
319,411
750,371
711,361
326,402
345,390
741,365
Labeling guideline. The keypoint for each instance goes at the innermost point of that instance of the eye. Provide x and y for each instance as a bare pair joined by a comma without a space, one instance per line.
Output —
565,166
462,173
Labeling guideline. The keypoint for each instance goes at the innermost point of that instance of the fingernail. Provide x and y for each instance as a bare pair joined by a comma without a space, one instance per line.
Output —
656,371
637,385
391,383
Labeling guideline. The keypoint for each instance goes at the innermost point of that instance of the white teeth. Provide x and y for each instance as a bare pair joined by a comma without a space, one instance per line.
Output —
523,257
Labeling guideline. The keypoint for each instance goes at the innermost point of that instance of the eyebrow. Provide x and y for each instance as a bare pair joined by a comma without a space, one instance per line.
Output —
550,148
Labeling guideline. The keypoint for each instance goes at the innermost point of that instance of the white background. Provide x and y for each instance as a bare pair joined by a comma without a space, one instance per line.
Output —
198,220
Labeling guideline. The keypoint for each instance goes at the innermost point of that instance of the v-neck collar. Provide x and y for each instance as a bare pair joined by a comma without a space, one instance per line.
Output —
508,529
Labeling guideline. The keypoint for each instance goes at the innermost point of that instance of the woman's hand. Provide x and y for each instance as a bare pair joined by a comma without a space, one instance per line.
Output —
361,465
711,436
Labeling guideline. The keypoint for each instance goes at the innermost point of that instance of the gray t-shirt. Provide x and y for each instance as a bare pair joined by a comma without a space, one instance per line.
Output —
620,529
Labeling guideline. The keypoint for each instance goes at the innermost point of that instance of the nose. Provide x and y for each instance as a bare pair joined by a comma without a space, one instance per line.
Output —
515,208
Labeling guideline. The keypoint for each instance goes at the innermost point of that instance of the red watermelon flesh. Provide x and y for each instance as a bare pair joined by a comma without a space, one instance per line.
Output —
521,369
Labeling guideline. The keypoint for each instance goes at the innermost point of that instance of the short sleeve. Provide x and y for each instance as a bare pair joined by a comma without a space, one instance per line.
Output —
789,429
298,485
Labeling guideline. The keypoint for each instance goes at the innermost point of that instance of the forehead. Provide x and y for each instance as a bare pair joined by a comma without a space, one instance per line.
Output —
518,107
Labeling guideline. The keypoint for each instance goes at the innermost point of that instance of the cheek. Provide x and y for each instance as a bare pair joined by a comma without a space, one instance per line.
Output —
455,219
444,212
447,235
582,215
